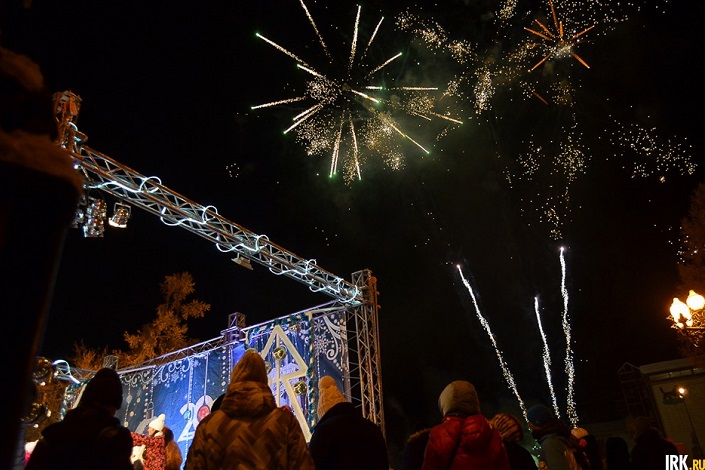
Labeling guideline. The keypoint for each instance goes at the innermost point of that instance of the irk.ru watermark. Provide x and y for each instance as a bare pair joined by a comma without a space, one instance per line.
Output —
680,462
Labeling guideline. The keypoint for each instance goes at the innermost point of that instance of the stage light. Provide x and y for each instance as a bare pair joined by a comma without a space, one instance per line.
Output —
121,214
94,223
38,412
43,371
244,262
78,218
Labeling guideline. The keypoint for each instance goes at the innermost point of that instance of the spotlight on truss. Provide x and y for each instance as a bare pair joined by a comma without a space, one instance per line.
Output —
244,262
121,214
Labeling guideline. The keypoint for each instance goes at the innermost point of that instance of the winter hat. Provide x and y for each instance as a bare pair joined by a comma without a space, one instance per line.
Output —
459,397
508,426
158,422
104,388
539,415
329,395
250,368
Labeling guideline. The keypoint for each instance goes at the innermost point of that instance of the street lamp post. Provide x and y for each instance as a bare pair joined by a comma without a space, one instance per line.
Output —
697,452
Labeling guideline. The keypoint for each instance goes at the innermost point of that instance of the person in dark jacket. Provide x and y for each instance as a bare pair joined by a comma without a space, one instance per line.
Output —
512,434
557,443
414,449
617,454
650,447
89,436
589,446
249,430
464,439
344,439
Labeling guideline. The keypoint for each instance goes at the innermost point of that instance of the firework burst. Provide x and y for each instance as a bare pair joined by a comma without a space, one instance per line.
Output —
650,154
557,43
353,113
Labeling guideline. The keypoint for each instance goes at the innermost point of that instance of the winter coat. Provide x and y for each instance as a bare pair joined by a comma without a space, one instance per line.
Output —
465,443
88,437
412,454
650,449
154,457
343,439
555,439
249,431
519,457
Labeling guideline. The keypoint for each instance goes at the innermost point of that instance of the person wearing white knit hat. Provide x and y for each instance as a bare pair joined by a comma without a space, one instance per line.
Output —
154,455
157,425
343,439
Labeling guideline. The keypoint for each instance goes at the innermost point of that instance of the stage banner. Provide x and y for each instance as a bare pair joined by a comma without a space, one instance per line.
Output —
286,347
298,350
331,350
183,390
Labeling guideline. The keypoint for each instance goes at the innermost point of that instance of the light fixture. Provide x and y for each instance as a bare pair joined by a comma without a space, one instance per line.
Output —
695,301
121,214
38,413
244,262
43,371
78,215
688,315
94,223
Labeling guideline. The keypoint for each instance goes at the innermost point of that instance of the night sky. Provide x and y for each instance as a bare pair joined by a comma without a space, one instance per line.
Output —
168,92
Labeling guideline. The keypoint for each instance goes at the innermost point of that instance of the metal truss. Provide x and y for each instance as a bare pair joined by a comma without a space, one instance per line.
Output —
360,296
103,173
363,345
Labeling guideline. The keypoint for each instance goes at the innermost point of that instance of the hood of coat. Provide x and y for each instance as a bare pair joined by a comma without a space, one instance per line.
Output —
248,393
459,398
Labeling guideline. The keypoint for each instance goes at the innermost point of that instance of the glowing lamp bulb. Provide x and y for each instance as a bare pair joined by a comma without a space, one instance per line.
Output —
695,301
679,309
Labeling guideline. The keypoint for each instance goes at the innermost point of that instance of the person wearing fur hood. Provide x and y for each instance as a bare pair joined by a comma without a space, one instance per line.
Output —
464,439
249,430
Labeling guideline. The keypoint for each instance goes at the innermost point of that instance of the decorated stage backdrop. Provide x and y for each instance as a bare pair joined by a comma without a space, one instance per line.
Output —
298,349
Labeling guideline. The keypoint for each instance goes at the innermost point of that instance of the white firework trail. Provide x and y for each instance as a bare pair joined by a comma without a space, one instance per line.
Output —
546,359
505,369
315,28
569,368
